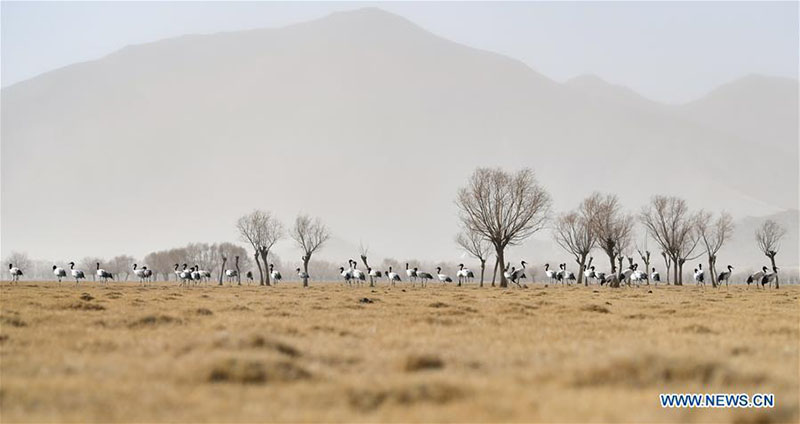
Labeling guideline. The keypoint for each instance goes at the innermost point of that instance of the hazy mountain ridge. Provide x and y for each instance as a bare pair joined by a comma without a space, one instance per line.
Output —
360,105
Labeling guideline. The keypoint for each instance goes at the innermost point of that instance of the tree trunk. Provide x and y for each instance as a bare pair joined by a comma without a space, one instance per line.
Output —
222,269
306,259
260,273
501,260
712,262
483,268
613,264
238,274
668,263
494,276
264,254
679,272
581,263
774,269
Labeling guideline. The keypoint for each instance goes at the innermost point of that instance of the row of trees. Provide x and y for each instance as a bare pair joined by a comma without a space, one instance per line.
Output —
499,209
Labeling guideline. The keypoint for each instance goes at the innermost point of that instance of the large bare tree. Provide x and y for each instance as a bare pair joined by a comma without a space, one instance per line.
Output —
310,236
670,223
613,228
476,245
713,234
768,237
262,231
573,232
504,208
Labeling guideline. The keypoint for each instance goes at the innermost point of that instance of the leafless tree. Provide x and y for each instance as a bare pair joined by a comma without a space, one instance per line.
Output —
573,232
612,227
670,223
504,208
310,236
261,230
768,237
476,246
121,265
713,234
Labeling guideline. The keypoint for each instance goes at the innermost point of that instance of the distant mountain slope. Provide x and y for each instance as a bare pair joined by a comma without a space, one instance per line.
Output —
361,117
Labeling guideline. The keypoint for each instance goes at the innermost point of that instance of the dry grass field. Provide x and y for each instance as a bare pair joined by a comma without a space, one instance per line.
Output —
245,354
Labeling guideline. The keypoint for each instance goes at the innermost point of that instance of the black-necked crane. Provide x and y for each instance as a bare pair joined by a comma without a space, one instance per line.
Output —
518,274
442,277
358,275
15,273
76,273
148,274
551,274
274,274
725,276
699,275
302,274
347,274
411,273
103,274
59,272
423,276
655,276
185,275
589,274
249,276
769,277
139,272
204,275
393,276
373,274
756,276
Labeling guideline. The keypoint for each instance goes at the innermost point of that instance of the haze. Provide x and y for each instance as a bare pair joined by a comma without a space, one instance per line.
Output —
372,120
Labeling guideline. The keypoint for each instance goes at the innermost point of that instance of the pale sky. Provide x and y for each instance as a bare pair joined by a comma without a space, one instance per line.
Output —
671,52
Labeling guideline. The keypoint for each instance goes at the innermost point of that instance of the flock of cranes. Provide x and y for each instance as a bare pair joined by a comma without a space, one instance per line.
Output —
354,276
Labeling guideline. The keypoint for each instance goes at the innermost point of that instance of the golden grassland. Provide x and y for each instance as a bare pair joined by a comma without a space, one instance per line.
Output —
546,354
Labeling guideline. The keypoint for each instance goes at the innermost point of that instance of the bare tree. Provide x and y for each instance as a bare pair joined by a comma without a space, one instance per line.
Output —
310,236
121,265
768,237
573,232
713,235
612,227
668,262
670,223
504,208
477,246
262,231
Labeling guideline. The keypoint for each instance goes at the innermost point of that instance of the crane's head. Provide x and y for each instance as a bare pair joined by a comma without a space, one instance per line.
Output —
54,267
298,270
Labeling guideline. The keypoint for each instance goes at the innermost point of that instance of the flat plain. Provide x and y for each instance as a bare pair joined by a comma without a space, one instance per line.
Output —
161,353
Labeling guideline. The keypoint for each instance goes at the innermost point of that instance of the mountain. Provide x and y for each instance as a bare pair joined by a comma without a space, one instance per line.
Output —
362,118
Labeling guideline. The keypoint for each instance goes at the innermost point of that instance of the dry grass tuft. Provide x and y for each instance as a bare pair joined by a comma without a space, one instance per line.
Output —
252,371
438,305
434,392
86,296
154,321
423,362
203,311
596,308
698,329
13,321
85,306
658,371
